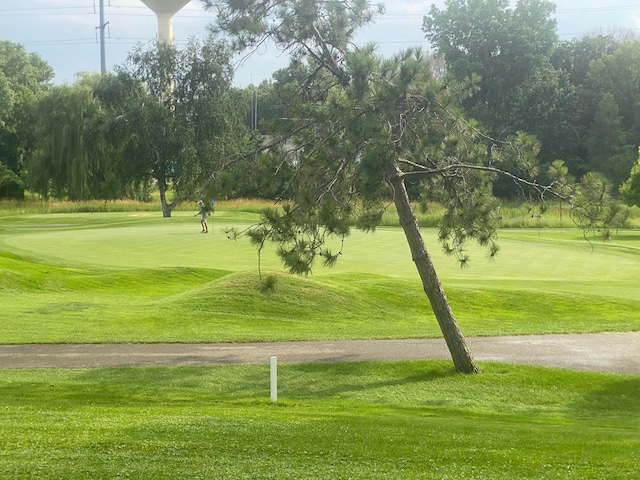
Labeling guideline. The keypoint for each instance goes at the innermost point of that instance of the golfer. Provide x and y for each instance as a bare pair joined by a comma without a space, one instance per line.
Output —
204,213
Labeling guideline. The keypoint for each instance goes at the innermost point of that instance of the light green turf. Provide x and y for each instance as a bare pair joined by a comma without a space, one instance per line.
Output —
142,240
138,277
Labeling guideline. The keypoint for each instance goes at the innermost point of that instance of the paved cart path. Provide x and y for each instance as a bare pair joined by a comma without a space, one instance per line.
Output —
606,352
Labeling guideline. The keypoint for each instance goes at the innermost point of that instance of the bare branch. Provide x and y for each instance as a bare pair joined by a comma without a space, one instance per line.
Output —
457,167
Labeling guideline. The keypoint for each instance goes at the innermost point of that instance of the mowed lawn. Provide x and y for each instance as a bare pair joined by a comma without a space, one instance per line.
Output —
113,277
404,420
140,278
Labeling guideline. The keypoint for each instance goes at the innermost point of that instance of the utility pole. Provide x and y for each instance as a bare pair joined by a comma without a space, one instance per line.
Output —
103,59
254,108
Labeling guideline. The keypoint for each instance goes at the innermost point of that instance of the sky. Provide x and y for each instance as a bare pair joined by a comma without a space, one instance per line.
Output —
65,33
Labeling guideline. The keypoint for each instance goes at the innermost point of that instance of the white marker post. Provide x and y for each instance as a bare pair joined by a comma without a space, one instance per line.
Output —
274,379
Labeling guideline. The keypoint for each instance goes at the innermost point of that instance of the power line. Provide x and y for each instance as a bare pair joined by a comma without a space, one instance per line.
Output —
610,8
73,41
66,14
43,9
115,10
391,16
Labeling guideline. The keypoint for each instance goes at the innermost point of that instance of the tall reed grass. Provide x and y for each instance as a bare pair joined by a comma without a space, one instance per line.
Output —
42,207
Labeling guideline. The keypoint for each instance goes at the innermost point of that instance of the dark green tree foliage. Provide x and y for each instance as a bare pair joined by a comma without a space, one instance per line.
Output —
130,175
572,124
609,150
508,52
6,99
23,78
266,173
11,186
261,175
186,120
618,74
364,125
84,144
574,57
69,161
612,89
266,106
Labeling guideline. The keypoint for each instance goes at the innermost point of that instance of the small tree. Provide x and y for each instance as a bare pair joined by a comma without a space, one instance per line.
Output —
630,190
558,173
10,184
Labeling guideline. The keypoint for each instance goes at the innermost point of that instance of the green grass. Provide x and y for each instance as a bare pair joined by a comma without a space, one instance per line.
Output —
404,420
136,277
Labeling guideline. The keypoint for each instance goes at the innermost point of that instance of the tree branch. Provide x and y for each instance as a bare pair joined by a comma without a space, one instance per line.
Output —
456,167
282,139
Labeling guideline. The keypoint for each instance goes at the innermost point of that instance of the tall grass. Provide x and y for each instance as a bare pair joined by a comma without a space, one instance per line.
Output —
513,214
35,206
39,206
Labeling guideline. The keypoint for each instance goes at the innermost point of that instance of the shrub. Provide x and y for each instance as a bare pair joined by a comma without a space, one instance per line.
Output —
11,186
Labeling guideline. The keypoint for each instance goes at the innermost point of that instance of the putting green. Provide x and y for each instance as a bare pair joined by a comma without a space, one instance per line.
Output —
529,259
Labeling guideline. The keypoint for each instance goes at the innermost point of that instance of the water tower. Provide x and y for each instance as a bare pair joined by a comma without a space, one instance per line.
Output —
165,10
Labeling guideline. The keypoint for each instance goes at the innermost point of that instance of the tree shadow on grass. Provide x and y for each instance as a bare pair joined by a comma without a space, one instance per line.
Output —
617,400
173,384
348,378
134,385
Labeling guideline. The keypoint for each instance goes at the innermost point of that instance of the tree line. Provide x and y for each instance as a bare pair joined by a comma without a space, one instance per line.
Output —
124,134
163,121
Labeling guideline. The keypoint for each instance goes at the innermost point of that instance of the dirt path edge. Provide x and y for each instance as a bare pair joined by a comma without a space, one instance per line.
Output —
606,352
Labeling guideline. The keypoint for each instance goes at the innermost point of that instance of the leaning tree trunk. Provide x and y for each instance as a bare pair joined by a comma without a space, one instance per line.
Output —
460,353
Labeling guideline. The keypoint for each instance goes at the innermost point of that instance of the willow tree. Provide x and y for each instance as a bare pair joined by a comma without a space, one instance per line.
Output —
364,126
68,161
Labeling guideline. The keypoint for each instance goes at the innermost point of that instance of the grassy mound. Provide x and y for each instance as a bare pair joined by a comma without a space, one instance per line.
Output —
53,304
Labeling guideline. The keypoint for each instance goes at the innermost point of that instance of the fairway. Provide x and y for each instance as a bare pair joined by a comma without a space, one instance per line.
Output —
136,277
116,277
